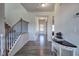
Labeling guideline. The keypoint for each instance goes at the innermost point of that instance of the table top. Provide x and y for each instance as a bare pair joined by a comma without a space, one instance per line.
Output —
65,43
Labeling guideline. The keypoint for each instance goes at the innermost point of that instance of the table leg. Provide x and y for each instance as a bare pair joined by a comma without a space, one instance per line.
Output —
60,52
74,52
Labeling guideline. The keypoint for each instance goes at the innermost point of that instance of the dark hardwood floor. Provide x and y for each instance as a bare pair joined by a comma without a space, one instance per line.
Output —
40,47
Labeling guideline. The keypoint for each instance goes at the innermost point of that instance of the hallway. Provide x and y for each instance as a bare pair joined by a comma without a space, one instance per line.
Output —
41,47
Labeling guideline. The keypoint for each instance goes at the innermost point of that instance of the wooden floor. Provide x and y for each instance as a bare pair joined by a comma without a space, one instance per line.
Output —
40,47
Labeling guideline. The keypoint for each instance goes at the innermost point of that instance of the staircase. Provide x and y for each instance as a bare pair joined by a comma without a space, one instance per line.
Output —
16,37
19,43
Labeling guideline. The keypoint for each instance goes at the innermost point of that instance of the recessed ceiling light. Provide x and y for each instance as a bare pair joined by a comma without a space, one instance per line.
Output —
43,5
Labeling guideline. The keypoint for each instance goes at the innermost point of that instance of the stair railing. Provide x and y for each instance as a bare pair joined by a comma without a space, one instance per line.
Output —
14,33
11,38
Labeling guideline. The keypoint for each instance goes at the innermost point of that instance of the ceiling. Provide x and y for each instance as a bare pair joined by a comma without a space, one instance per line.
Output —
36,7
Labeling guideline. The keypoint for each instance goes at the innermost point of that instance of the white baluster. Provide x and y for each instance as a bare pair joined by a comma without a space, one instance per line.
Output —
60,51
74,52
9,41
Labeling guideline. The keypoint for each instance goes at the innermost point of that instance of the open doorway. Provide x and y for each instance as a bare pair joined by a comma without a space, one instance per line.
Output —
42,28
42,21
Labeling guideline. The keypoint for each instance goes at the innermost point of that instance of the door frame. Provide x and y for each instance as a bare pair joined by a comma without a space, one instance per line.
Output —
37,23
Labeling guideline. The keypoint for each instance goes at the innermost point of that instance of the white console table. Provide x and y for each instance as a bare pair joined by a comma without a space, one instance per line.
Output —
60,47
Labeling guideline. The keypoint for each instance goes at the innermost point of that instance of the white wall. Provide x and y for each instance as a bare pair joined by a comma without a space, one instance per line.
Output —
2,28
14,12
1,18
2,35
67,23
2,10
